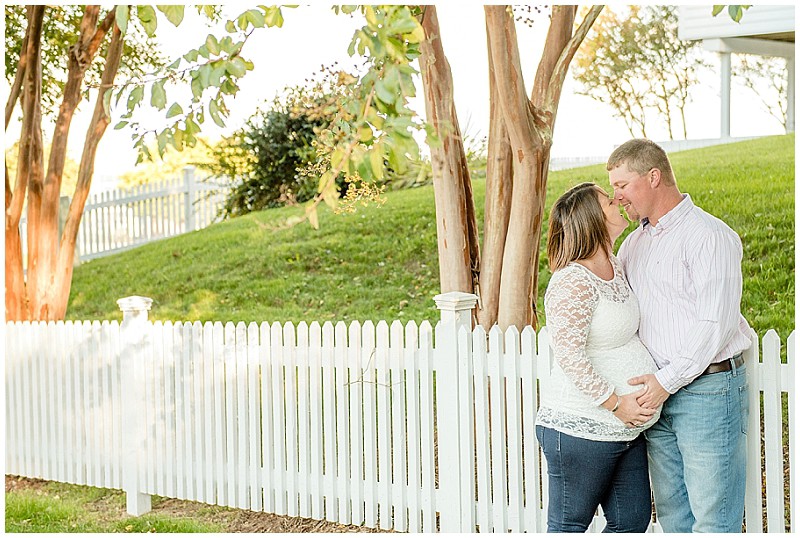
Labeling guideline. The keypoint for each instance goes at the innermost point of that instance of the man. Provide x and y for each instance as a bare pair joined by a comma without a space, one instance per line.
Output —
684,266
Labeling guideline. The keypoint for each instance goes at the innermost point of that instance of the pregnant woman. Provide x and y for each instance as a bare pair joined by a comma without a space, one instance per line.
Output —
589,424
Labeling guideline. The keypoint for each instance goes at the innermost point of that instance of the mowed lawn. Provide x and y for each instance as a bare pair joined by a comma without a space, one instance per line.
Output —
381,262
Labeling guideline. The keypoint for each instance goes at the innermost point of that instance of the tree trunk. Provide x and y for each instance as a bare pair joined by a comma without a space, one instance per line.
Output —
455,215
497,211
29,76
59,296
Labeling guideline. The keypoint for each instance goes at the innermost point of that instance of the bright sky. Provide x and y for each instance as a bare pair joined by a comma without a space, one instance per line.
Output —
314,35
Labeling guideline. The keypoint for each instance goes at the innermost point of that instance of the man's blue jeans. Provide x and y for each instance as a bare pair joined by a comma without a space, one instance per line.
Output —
585,474
697,454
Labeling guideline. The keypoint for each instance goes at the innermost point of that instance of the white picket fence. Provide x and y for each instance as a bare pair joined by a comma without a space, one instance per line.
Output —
121,219
397,427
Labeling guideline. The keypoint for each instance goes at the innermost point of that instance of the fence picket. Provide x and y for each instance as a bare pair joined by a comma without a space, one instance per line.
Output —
278,417
242,411
254,407
196,413
384,427
398,406
480,375
230,392
316,487
411,362
356,429
290,387
532,516
329,422
51,446
514,418
170,410
427,429
342,421
370,424
498,428
160,404
773,447
303,419
220,425
208,418
267,444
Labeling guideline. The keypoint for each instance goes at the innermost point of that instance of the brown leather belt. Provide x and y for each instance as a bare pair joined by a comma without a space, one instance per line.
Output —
725,366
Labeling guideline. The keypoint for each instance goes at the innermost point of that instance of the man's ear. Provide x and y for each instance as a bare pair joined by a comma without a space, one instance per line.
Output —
654,177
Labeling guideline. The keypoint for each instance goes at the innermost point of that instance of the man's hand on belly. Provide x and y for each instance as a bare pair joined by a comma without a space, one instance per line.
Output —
654,394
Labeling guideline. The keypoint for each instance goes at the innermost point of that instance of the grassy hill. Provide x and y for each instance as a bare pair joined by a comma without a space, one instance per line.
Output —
381,263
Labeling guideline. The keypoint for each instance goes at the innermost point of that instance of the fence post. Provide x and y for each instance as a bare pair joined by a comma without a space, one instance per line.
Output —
132,356
456,312
188,183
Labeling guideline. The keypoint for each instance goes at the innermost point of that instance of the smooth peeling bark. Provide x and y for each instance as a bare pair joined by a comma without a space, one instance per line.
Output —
497,208
455,216
527,150
59,296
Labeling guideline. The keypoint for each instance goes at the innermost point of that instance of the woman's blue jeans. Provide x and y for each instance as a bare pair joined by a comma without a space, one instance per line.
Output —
698,455
585,474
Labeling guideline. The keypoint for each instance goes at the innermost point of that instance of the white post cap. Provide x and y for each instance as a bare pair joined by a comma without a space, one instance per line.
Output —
135,303
456,301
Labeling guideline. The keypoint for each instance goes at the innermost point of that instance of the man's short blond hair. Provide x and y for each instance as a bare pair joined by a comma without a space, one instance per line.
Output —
642,155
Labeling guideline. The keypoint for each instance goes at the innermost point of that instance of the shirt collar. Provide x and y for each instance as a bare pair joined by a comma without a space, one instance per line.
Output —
673,216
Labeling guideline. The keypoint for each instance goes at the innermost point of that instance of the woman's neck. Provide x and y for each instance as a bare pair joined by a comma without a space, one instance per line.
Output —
599,263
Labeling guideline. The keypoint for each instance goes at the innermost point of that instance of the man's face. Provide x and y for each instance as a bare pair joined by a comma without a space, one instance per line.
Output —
632,190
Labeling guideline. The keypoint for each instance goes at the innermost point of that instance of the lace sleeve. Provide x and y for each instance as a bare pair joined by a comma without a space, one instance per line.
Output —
569,305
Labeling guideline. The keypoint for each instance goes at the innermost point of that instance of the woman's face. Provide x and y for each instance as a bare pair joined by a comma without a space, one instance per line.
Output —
615,222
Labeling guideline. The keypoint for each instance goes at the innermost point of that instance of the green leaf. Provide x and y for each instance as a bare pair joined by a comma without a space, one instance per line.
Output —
162,143
383,93
365,134
122,18
313,218
213,110
177,139
735,12
212,44
236,67
175,64
717,10
174,110
274,17
230,26
191,56
158,97
204,74
135,97
147,16
376,161
120,125
197,88
255,17
174,13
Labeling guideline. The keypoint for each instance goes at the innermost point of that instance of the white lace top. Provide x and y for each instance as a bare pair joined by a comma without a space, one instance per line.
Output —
593,327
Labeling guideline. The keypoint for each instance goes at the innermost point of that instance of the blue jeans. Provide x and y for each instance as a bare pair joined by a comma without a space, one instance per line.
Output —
697,454
586,474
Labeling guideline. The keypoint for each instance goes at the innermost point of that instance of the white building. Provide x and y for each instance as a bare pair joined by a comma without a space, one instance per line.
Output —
763,30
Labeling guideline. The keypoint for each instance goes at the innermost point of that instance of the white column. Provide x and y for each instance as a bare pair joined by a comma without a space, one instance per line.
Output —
456,495
725,94
188,185
133,333
790,95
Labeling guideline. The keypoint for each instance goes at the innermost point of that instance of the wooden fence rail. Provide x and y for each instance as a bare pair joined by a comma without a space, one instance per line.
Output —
391,426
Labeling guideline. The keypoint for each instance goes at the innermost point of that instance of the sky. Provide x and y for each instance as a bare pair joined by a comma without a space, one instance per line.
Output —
313,35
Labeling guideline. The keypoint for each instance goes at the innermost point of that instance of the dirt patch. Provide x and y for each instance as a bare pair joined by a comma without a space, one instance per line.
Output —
230,519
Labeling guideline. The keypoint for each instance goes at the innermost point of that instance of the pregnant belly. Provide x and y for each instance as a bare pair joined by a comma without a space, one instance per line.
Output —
620,364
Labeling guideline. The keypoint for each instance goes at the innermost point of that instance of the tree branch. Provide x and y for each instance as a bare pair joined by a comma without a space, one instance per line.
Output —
100,33
562,65
16,87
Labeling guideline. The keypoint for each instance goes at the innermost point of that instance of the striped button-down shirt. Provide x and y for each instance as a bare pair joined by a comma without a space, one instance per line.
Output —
686,273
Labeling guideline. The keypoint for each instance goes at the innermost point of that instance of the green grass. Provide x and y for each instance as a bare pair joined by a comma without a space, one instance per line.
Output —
381,263
56,507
